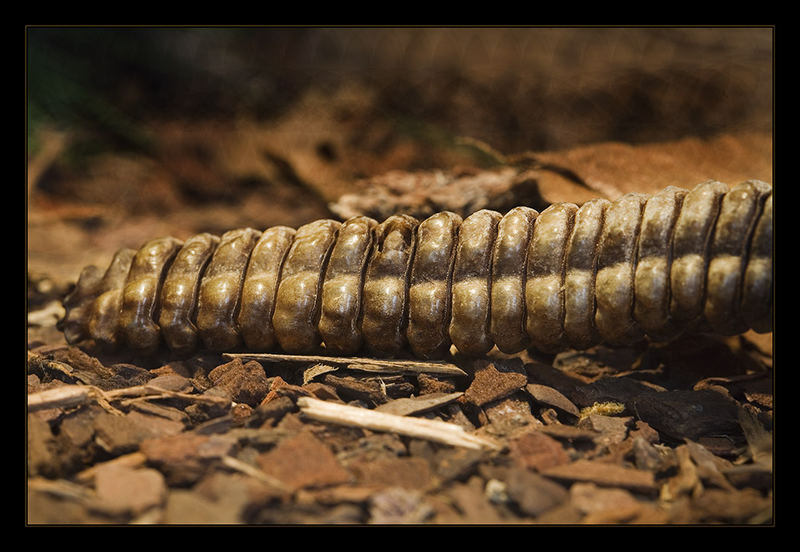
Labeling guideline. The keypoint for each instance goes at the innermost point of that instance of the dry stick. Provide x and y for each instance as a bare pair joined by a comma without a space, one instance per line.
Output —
148,393
438,367
433,430
68,396
65,396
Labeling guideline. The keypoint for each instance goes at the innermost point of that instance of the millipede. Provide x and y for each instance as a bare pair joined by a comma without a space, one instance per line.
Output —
615,272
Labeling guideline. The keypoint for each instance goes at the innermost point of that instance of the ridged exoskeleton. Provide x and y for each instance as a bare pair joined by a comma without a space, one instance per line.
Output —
607,271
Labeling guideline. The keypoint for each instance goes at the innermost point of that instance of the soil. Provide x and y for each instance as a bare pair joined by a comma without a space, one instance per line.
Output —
367,121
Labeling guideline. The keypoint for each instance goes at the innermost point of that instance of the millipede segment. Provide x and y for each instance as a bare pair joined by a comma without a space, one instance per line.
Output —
568,277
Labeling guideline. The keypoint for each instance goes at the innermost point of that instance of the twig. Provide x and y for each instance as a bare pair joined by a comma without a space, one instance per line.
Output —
388,366
433,430
524,160
68,396
65,396
154,392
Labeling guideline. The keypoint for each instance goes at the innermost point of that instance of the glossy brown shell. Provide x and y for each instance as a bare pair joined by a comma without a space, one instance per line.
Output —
568,277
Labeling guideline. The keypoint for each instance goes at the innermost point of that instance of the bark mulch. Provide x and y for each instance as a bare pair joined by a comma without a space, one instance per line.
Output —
657,434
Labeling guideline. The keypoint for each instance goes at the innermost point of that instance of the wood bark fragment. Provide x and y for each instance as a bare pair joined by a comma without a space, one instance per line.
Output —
552,397
387,366
245,468
61,397
131,460
417,405
68,396
62,489
604,474
433,430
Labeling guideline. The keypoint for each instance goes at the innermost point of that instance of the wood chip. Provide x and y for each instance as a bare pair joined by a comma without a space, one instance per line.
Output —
750,475
471,500
759,440
417,405
745,506
183,458
606,505
686,482
122,489
490,384
351,388
536,451
612,429
401,472
604,474
551,397
302,461
66,396
432,384
648,457
532,493
508,415
244,382
362,364
61,488
317,370
132,460
398,505
569,433
123,434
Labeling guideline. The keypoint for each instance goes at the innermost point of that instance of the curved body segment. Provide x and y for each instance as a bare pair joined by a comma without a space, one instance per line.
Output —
568,277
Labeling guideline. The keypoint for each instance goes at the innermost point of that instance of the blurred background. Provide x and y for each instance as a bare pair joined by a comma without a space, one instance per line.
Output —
138,132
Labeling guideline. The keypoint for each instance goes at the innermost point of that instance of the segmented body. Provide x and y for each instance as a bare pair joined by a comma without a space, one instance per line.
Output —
568,277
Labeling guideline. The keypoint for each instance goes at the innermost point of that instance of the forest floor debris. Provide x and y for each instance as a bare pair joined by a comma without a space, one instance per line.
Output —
525,440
